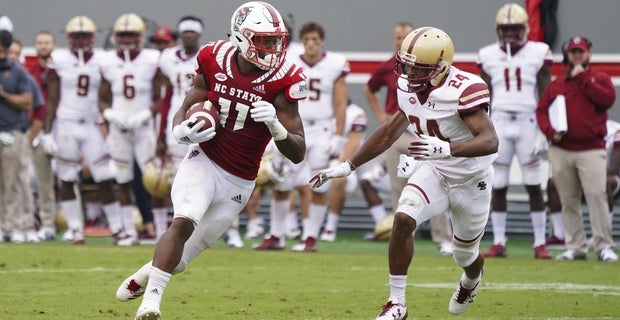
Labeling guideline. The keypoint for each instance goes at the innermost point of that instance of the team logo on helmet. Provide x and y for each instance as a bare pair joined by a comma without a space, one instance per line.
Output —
240,16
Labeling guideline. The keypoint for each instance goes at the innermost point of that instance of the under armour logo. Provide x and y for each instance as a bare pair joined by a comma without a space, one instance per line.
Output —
431,104
482,185
236,199
437,149
193,154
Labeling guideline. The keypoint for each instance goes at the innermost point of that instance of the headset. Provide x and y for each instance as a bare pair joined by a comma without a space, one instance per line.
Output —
565,47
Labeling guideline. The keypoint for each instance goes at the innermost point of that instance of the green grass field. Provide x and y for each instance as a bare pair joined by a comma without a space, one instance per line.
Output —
347,279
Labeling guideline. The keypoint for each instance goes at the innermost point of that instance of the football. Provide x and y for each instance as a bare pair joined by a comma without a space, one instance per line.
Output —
206,111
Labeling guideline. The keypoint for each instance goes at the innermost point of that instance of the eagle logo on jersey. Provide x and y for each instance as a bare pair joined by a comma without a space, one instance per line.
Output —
412,100
242,14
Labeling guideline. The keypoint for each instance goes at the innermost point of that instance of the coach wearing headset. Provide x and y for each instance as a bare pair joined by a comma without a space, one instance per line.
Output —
577,155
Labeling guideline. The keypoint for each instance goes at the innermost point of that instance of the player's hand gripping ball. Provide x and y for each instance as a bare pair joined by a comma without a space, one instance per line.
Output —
203,111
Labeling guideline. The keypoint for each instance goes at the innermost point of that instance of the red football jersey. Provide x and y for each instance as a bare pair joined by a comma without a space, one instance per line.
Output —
240,142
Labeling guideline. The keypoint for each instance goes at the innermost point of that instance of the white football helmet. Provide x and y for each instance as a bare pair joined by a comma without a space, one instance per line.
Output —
157,177
424,58
129,32
511,24
80,32
258,31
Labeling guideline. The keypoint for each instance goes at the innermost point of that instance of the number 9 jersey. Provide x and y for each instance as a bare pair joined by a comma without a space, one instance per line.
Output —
240,141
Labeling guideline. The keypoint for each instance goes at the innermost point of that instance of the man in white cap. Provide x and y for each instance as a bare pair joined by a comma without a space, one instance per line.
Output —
6,24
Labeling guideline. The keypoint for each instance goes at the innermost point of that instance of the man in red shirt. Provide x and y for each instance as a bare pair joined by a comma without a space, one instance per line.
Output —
385,76
577,155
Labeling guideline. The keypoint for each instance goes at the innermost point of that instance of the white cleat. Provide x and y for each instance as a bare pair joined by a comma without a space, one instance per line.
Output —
130,290
148,314
233,239
128,241
393,311
255,228
328,236
462,298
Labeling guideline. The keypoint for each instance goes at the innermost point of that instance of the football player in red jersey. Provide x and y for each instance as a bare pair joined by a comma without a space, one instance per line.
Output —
256,92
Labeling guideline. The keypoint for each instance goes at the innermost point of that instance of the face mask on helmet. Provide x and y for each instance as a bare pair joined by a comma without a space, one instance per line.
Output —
259,33
424,59
511,24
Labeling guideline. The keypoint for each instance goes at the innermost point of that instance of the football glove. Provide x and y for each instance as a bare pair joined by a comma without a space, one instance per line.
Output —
263,111
541,146
341,170
336,146
48,144
139,119
186,133
429,148
407,166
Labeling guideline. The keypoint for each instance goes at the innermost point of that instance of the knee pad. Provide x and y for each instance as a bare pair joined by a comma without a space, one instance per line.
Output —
465,254
531,174
502,175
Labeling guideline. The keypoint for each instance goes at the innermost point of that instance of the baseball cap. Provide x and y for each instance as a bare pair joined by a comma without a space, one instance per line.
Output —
6,24
579,43
162,34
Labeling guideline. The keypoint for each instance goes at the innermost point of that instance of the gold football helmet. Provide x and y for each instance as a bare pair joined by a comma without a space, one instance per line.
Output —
383,227
157,177
273,170
80,32
424,58
511,24
129,31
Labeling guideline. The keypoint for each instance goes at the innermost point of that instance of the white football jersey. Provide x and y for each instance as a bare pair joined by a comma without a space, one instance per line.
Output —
440,116
612,137
320,77
513,80
79,85
181,70
355,120
132,82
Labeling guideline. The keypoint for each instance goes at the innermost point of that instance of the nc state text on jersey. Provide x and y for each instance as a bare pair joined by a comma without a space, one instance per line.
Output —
236,92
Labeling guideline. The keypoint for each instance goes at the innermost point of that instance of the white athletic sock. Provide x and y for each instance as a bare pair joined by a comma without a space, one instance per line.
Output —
158,280
539,224
557,222
398,284
93,209
316,215
112,213
73,213
278,212
128,223
305,226
331,224
160,220
291,221
142,275
498,221
377,212
469,283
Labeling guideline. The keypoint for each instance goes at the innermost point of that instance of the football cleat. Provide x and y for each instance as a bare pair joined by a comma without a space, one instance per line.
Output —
462,298
541,252
148,314
495,251
46,234
78,237
255,228
271,243
130,290
393,311
308,245
233,239
554,241
328,236
608,255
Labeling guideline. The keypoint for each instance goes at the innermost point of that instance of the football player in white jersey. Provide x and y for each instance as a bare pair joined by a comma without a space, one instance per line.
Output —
326,102
73,85
178,68
128,102
456,146
370,177
515,70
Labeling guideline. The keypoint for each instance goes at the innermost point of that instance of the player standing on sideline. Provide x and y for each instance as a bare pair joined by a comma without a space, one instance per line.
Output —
128,100
384,76
256,92
177,65
73,84
448,108
515,70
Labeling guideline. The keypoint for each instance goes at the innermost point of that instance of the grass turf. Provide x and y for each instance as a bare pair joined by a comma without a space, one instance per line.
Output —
347,279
